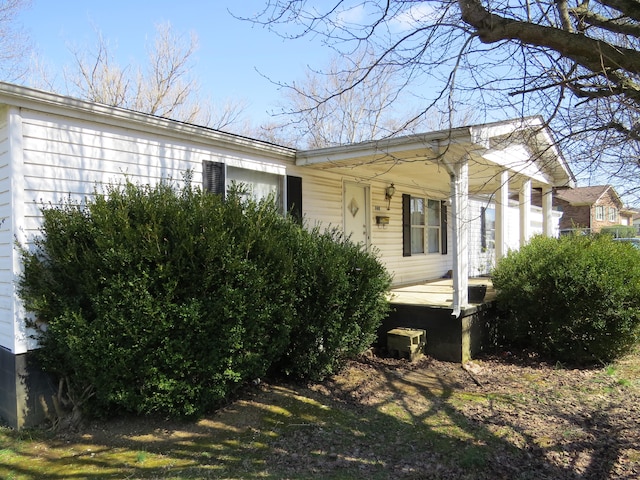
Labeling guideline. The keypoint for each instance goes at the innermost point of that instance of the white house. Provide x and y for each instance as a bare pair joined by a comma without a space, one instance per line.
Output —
430,203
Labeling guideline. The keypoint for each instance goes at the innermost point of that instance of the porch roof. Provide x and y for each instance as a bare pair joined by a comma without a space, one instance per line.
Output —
523,147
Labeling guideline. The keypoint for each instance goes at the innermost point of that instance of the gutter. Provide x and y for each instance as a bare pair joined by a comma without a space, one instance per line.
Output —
48,102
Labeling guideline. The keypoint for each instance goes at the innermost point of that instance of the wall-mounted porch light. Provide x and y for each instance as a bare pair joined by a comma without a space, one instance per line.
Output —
388,194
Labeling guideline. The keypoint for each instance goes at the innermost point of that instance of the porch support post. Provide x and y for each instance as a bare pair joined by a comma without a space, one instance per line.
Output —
547,217
459,219
525,209
502,207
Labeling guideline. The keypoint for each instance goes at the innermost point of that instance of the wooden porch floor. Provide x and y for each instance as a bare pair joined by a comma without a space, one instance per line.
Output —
436,293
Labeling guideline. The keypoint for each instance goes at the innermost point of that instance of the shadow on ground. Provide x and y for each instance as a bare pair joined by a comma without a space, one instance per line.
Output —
379,419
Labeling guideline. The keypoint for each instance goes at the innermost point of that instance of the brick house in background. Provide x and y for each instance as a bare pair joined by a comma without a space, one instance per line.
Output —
591,208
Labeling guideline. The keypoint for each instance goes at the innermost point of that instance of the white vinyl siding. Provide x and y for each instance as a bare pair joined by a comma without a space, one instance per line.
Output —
68,157
322,193
322,189
63,157
7,334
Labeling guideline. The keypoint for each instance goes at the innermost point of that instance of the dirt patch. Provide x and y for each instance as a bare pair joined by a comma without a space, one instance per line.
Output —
497,417
545,420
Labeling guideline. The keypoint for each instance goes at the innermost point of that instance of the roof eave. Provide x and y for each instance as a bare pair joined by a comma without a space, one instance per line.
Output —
26,97
341,153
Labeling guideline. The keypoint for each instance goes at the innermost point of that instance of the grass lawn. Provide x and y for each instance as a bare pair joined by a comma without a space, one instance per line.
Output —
501,417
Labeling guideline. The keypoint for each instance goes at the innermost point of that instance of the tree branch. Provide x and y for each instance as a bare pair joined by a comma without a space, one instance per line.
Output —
584,15
594,54
629,8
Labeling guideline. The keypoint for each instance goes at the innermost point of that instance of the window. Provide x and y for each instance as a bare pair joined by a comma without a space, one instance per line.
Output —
259,185
599,212
218,177
417,225
433,226
422,226
488,228
613,214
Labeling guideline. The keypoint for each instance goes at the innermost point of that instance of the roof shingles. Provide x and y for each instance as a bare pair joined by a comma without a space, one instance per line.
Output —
582,195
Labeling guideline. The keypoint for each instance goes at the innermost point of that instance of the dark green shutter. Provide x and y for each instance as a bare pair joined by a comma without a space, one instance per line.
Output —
406,225
294,198
213,177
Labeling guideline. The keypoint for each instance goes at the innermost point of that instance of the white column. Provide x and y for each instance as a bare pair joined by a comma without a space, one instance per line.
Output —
525,209
547,218
502,207
460,230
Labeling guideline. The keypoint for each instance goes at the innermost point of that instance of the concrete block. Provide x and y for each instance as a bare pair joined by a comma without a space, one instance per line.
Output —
407,342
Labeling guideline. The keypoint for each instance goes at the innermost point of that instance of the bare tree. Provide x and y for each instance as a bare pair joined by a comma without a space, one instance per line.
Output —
165,86
314,117
577,64
14,43
99,78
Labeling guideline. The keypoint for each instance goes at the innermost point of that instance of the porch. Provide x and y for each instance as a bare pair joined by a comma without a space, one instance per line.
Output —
437,293
429,306
450,192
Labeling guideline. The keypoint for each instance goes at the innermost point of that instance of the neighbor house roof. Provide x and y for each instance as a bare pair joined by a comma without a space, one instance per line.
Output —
585,195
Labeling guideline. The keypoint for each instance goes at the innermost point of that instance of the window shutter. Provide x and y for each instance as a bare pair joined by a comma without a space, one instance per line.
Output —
213,173
406,225
443,227
294,198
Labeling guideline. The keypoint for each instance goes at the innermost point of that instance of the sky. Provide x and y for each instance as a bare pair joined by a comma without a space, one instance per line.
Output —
235,59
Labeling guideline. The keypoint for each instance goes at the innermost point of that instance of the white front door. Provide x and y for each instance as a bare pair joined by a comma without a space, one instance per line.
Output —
356,212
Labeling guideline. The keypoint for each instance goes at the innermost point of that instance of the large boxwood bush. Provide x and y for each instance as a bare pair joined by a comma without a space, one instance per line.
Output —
158,299
575,299
339,307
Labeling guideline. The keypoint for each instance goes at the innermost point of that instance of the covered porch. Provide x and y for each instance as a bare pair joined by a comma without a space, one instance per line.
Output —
497,165
491,164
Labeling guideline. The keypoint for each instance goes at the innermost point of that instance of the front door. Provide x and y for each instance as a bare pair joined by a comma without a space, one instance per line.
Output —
356,212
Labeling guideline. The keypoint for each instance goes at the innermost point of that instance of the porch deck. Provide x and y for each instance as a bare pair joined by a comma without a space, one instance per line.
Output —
429,306
436,293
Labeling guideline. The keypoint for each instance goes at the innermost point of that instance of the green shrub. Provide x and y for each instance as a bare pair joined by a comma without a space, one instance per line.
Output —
160,301
165,300
620,231
341,303
576,298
